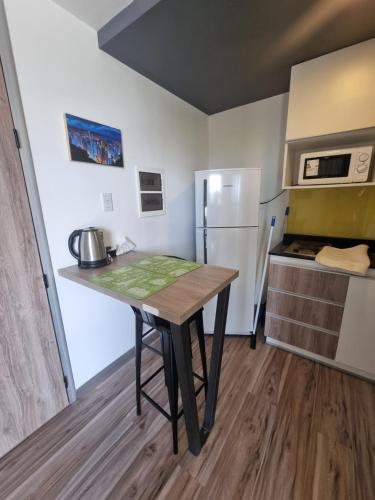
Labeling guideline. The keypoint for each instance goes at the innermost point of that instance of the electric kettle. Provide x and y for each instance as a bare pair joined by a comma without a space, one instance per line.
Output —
91,250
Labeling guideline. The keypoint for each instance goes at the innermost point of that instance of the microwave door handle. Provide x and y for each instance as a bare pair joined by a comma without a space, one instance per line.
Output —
205,202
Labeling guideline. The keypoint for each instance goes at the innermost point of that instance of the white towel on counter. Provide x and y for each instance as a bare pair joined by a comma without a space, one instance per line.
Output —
353,260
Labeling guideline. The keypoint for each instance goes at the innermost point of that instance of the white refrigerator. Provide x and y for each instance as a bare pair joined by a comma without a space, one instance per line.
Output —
226,215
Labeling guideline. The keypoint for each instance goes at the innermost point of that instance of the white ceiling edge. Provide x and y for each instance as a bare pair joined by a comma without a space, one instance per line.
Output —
95,13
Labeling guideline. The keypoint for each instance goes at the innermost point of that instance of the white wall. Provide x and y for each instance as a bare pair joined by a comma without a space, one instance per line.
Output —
60,69
254,136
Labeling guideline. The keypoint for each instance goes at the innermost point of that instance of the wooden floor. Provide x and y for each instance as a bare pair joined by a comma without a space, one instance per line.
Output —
286,428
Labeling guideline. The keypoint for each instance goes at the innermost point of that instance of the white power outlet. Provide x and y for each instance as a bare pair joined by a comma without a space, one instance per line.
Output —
107,203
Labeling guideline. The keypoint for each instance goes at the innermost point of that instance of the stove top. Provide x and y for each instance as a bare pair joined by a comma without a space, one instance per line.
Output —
302,246
306,248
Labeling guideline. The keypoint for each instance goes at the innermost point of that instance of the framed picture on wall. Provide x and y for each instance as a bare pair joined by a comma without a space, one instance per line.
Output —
150,185
92,142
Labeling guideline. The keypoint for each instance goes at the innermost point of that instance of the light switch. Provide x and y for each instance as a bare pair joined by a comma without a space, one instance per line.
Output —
107,203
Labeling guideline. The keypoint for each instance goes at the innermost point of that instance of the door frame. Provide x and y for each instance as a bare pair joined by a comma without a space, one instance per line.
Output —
14,95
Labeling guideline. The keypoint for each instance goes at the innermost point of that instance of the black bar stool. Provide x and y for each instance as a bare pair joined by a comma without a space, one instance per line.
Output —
169,364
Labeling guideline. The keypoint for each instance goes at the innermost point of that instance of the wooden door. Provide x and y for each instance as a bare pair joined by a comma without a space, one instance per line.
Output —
31,379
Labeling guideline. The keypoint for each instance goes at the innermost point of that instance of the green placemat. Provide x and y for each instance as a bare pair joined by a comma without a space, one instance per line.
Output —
167,266
134,282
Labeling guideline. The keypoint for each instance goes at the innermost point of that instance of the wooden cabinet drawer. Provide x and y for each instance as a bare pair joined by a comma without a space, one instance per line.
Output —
310,311
322,285
301,336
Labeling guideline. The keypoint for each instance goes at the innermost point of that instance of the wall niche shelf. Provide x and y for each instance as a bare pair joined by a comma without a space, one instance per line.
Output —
294,149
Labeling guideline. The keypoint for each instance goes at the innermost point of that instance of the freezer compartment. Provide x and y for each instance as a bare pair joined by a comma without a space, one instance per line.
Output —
227,198
235,248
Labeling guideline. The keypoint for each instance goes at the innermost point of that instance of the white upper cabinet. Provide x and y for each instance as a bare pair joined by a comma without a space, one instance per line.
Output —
333,93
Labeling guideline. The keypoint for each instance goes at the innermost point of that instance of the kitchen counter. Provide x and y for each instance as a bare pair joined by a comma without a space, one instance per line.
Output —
320,312
317,242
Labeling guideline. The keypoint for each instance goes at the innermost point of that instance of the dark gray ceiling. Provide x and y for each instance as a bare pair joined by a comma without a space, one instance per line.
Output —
218,54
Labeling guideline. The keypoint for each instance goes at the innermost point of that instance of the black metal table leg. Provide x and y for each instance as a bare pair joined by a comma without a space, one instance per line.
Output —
181,344
138,354
180,336
216,357
172,384
202,348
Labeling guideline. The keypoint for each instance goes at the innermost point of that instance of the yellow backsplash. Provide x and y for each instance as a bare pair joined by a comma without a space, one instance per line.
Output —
342,212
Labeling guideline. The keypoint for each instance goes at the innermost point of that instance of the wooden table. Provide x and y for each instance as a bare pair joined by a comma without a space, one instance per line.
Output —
176,304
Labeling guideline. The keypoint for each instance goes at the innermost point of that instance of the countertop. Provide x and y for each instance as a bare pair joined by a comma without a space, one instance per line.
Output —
280,249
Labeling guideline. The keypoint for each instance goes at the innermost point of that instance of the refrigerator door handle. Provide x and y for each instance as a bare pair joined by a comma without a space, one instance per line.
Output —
205,246
205,202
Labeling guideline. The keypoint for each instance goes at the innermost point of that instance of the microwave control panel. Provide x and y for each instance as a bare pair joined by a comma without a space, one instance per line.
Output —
362,165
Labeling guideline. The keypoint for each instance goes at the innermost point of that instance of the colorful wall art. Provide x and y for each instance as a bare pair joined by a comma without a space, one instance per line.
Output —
93,142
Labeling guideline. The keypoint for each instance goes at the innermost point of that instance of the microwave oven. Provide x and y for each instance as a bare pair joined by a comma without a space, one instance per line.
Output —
338,166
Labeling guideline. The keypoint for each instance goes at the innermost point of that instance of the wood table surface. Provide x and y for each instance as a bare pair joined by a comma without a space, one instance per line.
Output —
175,303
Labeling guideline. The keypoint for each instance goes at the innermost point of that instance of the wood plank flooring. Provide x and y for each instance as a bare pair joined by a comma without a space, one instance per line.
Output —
286,428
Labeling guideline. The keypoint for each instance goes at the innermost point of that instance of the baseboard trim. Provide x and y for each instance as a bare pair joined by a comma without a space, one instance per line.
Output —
106,372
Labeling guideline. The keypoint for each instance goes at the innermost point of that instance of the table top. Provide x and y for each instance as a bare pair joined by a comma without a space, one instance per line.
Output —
175,303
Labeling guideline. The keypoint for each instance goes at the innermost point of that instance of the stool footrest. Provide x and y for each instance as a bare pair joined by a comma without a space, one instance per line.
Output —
151,377
199,377
153,349
156,405
148,332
